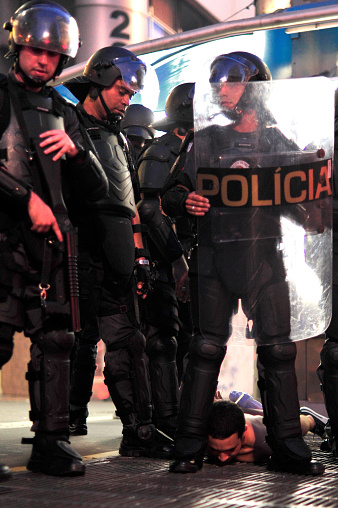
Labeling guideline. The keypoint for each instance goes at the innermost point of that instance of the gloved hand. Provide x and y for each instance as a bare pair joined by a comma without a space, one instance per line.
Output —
144,279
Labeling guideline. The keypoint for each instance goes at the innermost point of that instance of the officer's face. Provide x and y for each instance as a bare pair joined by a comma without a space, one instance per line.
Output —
224,450
38,64
229,94
117,97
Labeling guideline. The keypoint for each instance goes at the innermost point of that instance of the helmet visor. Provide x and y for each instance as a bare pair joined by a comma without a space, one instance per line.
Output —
227,69
132,72
46,27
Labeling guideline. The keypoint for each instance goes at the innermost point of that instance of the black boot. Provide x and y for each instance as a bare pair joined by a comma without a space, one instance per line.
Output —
5,473
199,387
292,455
53,455
278,388
78,422
328,375
186,466
146,441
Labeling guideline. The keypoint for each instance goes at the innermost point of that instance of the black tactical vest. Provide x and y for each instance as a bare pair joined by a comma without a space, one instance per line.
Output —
114,162
31,114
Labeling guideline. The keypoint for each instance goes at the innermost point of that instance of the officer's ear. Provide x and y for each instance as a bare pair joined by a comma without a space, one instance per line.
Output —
94,93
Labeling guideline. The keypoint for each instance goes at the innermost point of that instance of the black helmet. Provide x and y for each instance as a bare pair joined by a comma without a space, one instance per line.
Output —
137,121
240,67
178,108
103,68
45,25
108,64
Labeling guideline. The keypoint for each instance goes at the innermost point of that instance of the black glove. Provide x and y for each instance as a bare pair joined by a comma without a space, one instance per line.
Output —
144,273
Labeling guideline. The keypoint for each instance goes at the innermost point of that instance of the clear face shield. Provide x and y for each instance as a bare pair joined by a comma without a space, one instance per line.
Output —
133,72
229,70
47,27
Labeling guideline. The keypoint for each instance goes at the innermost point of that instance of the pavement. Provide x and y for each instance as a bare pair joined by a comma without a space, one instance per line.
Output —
121,482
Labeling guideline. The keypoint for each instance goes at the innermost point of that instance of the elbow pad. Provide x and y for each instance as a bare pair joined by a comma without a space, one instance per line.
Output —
160,230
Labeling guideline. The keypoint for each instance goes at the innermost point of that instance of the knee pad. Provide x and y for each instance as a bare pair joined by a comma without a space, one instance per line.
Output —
203,348
55,341
6,343
277,354
162,346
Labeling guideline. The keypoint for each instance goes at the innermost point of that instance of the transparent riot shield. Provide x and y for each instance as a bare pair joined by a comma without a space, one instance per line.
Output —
265,246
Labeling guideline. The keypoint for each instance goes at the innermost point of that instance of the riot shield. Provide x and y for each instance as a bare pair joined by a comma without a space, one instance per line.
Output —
265,246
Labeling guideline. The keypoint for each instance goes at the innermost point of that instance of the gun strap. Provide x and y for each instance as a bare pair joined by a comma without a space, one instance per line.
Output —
16,103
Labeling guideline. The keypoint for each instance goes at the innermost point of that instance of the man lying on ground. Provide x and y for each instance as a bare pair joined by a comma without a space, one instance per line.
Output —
236,435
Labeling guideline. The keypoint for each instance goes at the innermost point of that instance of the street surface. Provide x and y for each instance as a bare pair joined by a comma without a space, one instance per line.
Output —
104,431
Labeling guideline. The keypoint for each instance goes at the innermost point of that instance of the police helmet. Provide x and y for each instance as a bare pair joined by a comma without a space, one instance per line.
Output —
178,108
137,121
45,25
108,64
239,67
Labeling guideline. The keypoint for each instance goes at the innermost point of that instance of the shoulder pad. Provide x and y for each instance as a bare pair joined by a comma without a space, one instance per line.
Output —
157,152
154,167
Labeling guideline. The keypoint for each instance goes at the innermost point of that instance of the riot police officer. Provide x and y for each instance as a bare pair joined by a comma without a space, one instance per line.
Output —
111,77
137,125
154,167
251,269
43,151
161,309
328,368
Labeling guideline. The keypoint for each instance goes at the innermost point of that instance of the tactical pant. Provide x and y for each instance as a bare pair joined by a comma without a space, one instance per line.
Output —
109,304
328,368
160,328
268,306
21,310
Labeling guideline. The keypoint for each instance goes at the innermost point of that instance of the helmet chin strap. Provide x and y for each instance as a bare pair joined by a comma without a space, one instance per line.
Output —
112,118
30,82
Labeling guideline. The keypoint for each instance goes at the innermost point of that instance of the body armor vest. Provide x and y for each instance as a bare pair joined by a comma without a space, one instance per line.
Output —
14,149
256,157
32,114
114,162
234,150
155,163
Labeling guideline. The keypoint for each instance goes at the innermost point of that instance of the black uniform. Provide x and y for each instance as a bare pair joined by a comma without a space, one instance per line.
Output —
252,270
154,167
111,295
160,309
31,262
328,368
